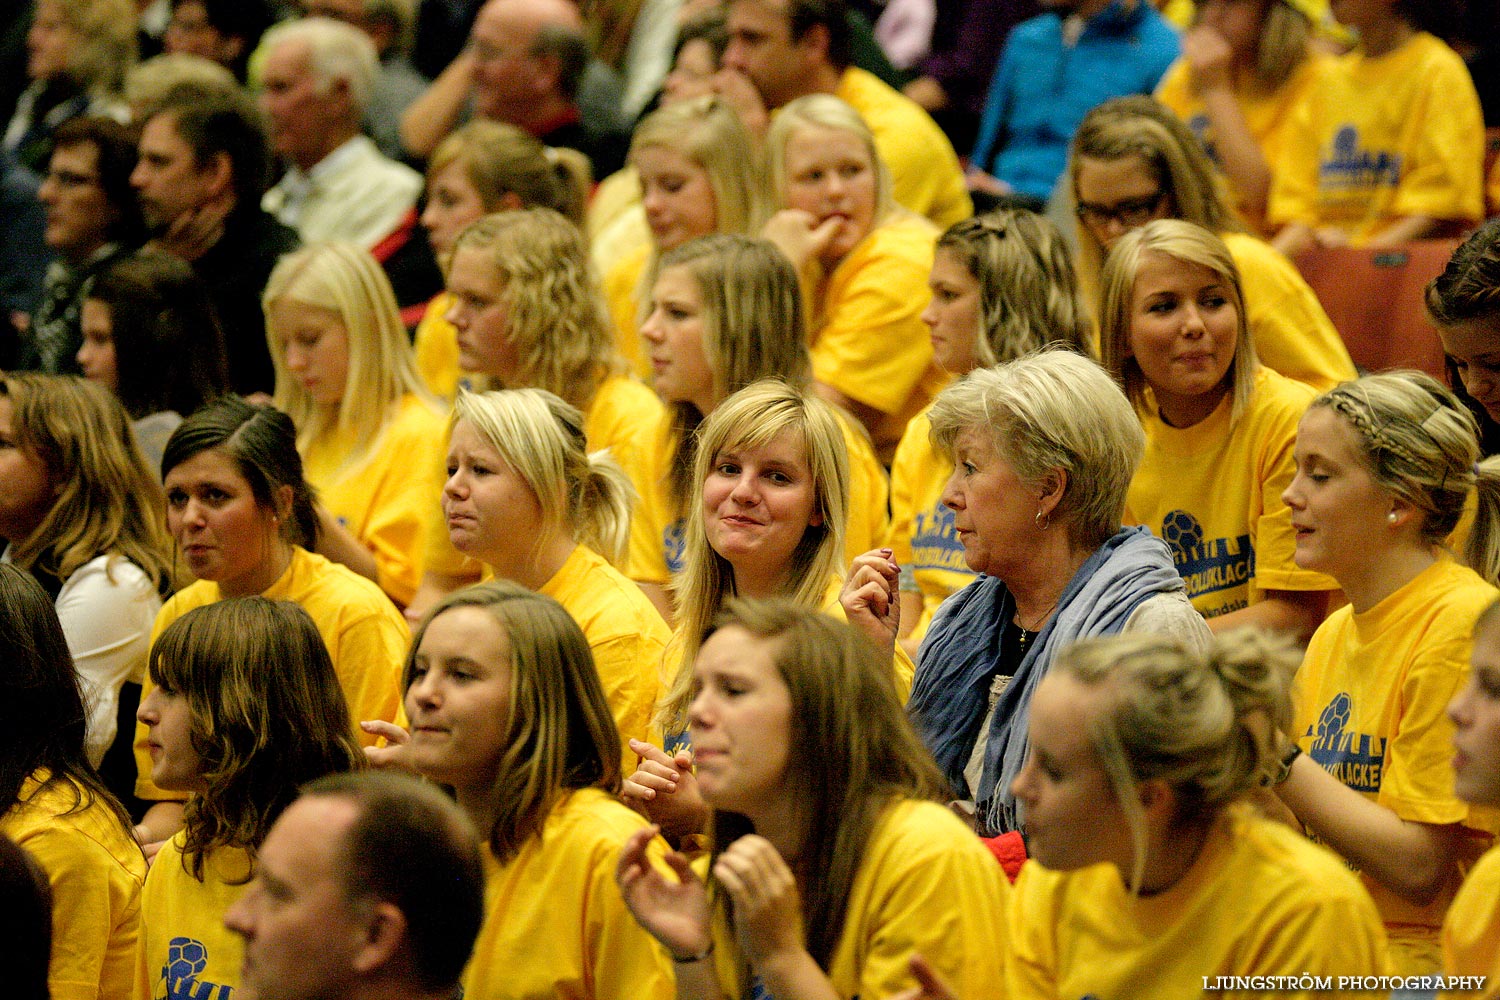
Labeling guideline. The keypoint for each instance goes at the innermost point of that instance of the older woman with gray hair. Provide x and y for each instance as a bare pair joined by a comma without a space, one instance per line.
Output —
1044,448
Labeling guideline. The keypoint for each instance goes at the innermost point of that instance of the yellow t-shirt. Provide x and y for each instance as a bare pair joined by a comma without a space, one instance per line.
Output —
1370,708
622,287
925,173
1291,332
1380,139
625,633
868,340
435,345
925,884
184,933
1212,492
658,529
389,498
1266,111
95,870
1260,900
922,538
365,635
1471,931
555,923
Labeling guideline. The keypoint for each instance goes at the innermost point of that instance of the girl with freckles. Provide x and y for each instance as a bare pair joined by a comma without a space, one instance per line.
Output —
1219,428
1384,465
506,709
830,858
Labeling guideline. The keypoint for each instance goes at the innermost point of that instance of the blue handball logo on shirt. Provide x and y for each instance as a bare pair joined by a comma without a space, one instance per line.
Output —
186,960
934,541
1346,165
1206,564
673,544
1200,126
1356,759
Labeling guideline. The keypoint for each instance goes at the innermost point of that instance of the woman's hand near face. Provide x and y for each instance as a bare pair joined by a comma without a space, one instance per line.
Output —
871,597
675,913
664,790
767,906
392,756
1210,59
799,235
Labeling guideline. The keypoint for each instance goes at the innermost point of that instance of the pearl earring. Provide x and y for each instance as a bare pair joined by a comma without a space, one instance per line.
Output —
1391,517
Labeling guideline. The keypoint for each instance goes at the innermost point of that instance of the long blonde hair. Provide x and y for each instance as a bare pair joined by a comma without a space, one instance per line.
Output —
751,418
555,312
346,281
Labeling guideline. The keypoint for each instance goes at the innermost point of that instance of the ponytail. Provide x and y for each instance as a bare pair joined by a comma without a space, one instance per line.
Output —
1482,550
602,496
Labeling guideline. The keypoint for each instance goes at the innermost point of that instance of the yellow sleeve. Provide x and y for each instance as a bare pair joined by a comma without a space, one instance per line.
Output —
368,655
436,346
1417,780
629,671
622,286
655,527
1294,173
622,960
1471,930
871,344
1031,967
96,914
1293,335
935,891
904,470
1444,174
1335,934
868,492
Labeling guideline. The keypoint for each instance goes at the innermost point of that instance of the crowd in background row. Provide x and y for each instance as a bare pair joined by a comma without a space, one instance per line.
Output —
620,417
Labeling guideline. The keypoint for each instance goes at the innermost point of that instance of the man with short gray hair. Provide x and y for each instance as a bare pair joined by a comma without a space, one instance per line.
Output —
318,78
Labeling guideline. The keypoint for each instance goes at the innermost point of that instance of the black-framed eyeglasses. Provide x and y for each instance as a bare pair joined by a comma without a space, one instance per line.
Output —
1129,213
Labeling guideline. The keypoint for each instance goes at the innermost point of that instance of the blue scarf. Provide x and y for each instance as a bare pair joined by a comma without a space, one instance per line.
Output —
950,693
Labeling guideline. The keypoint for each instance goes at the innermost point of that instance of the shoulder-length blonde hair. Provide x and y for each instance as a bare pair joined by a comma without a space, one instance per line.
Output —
541,438
346,281
1143,127
265,714
559,733
1028,291
106,500
708,132
500,159
823,111
107,45
751,418
753,328
555,314
1190,244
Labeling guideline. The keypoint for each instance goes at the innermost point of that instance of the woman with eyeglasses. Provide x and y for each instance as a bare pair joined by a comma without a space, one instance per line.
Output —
1133,161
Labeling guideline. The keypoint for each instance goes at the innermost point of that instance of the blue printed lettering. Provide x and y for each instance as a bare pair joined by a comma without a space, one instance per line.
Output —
1356,759
1347,166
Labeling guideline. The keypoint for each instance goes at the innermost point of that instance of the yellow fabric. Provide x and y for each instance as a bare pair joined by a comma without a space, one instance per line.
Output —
1266,112
925,173
1291,332
626,635
613,197
555,924
184,932
95,870
622,284
1259,900
365,635
1381,139
436,347
1471,931
922,538
1492,197
388,499
868,340
925,884
657,529
1213,493
1370,707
